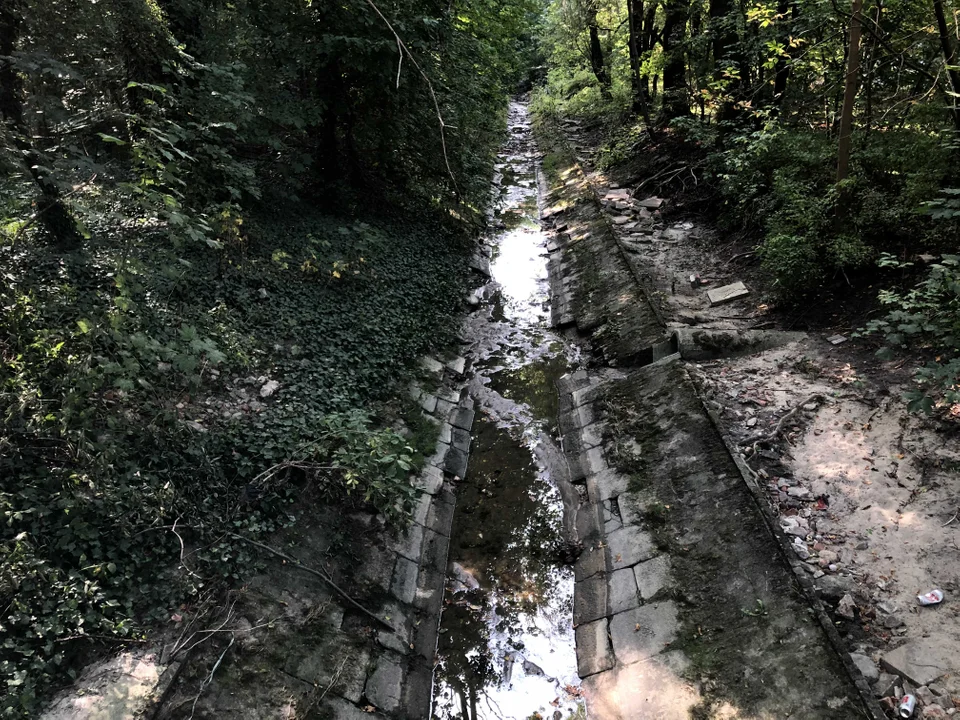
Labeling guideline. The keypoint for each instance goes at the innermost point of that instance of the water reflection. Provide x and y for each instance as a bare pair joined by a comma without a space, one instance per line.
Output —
506,644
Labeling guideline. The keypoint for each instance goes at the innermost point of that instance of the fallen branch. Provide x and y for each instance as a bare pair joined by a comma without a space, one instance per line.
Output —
433,96
209,679
952,519
775,433
314,571
749,253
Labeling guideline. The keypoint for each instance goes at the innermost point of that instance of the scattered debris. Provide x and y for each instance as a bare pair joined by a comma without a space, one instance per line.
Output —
652,203
934,597
837,339
847,607
269,388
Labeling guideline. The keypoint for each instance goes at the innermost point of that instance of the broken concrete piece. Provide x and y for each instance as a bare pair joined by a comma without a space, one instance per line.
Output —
847,607
708,344
727,293
652,203
886,685
921,662
866,667
431,365
269,388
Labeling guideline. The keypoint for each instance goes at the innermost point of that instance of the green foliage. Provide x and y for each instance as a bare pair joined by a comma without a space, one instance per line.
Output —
130,403
926,317
180,136
781,182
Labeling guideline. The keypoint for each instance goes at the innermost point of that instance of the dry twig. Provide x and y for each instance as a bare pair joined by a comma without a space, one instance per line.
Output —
314,571
433,96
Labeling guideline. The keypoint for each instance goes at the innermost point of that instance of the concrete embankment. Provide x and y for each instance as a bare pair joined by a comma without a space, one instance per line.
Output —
685,604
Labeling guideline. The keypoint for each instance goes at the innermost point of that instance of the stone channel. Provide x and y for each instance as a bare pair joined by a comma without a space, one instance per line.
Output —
593,448
585,544
506,646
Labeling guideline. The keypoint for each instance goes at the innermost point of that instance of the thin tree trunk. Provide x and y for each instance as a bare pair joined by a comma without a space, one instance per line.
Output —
950,58
724,55
50,208
849,93
676,102
634,7
597,63
782,69
638,82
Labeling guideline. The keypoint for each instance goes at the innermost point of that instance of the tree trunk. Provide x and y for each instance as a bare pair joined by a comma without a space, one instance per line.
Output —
597,63
144,44
634,20
782,68
724,56
849,93
50,208
676,102
950,58
638,82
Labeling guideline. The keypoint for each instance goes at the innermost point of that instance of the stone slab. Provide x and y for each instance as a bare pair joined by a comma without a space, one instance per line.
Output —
440,517
457,365
464,418
921,662
593,648
410,543
643,632
461,439
592,436
319,666
606,483
444,408
339,709
622,591
438,459
652,576
403,586
384,688
727,293
629,546
654,690
431,479
422,509
455,462
590,562
651,203
593,460
588,524
114,689
590,600
431,365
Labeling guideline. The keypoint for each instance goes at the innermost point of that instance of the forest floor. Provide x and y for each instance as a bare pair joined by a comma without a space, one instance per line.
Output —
867,494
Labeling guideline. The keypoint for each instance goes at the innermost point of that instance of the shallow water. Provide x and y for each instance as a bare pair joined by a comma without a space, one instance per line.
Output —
507,641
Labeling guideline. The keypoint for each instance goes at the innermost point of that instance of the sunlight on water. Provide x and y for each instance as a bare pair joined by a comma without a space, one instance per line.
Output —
507,641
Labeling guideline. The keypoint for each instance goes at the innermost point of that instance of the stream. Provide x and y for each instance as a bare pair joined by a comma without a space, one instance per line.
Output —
506,647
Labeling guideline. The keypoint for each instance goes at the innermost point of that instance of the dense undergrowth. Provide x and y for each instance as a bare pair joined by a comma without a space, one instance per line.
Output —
133,416
894,223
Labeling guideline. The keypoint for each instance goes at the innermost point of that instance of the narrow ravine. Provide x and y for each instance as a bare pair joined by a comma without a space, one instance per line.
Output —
506,645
